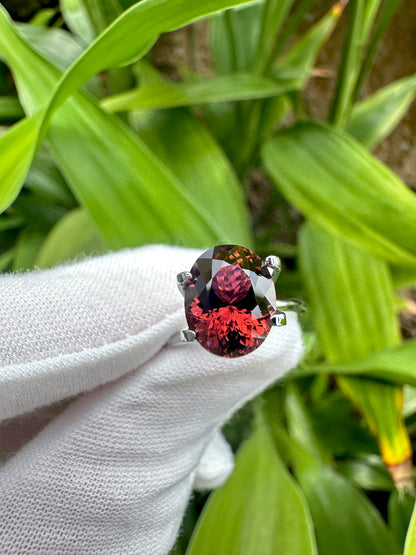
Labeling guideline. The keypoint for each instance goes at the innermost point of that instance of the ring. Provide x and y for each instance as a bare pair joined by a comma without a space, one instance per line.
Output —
230,300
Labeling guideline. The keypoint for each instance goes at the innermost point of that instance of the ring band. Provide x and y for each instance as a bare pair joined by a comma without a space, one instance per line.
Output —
230,300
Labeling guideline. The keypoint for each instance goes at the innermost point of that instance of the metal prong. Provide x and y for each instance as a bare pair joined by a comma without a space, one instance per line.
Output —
294,305
181,279
274,266
187,336
279,318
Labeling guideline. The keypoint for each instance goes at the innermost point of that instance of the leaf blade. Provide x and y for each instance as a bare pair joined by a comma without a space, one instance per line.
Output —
334,181
260,491
375,117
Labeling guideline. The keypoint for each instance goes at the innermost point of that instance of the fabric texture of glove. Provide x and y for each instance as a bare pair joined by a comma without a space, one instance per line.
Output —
113,472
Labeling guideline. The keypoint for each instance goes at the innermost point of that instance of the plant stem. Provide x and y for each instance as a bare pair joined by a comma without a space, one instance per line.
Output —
349,67
388,11
291,26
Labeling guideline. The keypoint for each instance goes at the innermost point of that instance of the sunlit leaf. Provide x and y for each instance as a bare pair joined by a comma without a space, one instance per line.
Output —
129,37
219,89
102,12
126,39
188,149
333,180
396,364
376,116
303,55
131,195
76,17
351,298
260,509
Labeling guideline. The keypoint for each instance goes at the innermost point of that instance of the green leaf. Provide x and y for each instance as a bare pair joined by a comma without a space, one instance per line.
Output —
410,544
350,294
368,473
351,297
260,509
273,16
188,149
345,521
234,38
43,17
385,17
131,195
46,181
102,12
381,405
128,39
396,364
403,277
351,54
334,181
58,46
10,108
16,152
10,222
400,507
343,437
38,212
27,246
77,19
74,235
375,117
301,58
299,14
139,212
220,89
6,259
301,427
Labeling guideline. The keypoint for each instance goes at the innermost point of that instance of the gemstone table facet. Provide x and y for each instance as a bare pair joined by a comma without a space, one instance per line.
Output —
229,301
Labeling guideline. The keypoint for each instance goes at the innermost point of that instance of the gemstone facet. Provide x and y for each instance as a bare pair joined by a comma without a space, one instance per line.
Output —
230,300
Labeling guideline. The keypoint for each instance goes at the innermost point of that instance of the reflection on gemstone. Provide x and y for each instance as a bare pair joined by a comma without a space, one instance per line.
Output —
230,300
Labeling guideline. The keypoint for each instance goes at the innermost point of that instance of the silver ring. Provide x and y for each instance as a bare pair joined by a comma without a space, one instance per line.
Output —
230,300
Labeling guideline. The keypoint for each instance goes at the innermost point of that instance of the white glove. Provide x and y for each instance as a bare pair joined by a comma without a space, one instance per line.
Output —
113,472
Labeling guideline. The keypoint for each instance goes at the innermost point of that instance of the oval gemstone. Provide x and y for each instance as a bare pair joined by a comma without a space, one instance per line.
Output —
229,301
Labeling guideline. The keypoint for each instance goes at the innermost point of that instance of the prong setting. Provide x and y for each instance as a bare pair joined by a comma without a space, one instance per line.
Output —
274,265
181,279
279,318
187,336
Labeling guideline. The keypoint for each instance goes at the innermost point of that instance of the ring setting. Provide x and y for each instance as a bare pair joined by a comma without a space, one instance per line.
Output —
230,300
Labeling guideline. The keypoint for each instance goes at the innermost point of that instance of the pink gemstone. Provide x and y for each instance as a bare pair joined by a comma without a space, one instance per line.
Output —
230,300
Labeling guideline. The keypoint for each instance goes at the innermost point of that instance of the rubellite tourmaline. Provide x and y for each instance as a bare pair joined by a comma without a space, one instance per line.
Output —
230,300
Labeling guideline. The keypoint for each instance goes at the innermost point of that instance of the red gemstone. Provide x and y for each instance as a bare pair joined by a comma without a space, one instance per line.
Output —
230,300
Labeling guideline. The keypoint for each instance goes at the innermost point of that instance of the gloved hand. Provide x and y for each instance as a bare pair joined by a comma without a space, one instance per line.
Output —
113,472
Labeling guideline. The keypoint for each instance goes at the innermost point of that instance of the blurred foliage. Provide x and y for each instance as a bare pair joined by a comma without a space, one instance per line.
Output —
100,150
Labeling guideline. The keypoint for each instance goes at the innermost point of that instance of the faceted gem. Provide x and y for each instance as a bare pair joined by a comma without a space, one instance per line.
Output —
230,300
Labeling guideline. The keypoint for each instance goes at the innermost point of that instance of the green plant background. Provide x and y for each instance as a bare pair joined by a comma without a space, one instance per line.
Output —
100,150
